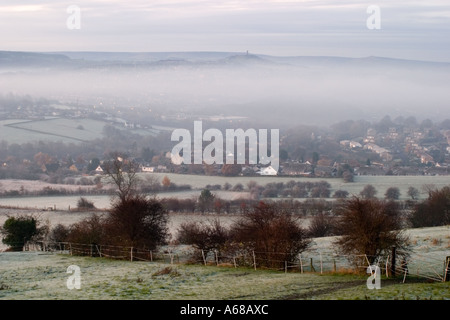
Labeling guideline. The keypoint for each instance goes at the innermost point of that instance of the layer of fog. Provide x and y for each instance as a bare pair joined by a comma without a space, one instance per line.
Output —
281,93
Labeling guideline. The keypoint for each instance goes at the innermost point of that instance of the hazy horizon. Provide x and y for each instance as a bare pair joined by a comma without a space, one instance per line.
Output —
320,61
403,30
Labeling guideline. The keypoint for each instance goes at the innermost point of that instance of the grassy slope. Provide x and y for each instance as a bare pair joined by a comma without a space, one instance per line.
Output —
42,276
38,278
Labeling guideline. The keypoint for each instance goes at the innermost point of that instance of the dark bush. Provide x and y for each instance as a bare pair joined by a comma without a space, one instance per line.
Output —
207,237
434,211
321,226
59,233
369,227
17,231
83,203
272,233
138,222
87,231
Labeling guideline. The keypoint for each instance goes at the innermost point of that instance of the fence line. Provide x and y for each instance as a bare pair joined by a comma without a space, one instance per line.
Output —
429,268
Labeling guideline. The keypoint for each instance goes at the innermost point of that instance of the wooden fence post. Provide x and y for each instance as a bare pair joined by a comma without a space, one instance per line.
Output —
321,268
312,266
204,259
301,264
393,261
387,270
447,269
254,260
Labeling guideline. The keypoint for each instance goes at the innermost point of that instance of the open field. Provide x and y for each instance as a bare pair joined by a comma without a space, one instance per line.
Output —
381,183
57,129
39,275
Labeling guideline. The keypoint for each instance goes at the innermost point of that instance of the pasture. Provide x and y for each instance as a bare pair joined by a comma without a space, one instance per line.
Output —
57,129
41,275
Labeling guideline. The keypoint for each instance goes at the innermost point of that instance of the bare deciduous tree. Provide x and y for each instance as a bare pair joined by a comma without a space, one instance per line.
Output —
369,227
434,211
368,192
123,173
273,233
137,221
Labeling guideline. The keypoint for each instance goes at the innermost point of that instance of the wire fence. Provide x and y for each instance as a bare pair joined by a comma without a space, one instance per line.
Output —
106,251
422,266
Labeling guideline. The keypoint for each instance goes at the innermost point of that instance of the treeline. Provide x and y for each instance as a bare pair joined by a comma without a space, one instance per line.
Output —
241,206
293,189
50,191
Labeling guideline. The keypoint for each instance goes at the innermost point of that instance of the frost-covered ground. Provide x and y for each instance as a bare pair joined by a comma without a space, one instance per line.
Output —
37,275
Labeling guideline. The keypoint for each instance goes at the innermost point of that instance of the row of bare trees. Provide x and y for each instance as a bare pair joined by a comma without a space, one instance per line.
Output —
365,227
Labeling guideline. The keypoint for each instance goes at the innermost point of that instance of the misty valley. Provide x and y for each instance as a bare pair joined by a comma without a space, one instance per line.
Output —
165,160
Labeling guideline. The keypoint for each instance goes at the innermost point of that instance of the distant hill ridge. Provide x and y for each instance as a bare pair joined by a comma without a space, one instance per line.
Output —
80,59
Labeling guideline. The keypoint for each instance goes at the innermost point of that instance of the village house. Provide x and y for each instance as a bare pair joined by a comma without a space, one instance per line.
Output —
425,158
147,169
268,171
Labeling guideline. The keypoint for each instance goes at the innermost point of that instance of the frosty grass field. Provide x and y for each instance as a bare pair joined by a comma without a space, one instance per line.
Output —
38,275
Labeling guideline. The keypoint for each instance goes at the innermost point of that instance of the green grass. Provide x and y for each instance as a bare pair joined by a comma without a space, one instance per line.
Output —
35,276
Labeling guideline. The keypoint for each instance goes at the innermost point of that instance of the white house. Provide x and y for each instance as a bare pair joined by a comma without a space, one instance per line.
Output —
268,171
354,144
148,169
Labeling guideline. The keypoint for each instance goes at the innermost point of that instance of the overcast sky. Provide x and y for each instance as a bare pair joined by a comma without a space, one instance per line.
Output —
409,29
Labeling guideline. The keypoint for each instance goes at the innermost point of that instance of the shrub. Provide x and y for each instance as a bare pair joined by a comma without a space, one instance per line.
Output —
207,237
87,231
368,192
392,193
59,233
369,227
83,203
434,211
273,234
340,194
18,230
205,200
138,222
321,226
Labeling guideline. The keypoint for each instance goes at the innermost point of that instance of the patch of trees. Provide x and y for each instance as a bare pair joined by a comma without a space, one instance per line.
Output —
239,206
433,211
51,191
290,189
266,230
